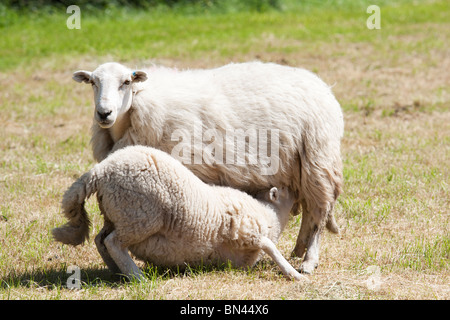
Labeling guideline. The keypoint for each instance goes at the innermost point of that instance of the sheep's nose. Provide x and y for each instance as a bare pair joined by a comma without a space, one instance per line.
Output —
103,115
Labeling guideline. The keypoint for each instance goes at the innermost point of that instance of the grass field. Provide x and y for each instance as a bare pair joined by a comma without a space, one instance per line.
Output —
394,88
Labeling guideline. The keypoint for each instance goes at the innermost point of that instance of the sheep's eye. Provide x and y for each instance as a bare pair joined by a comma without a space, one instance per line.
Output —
93,84
127,82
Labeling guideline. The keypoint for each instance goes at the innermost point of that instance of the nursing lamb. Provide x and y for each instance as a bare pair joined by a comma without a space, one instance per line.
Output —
161,212
285,127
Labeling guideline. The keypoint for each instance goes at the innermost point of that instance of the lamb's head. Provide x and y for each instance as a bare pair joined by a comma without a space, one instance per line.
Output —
280,199
113,90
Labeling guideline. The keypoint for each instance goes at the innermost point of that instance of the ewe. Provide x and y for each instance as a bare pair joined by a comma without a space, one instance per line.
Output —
160,211
262,104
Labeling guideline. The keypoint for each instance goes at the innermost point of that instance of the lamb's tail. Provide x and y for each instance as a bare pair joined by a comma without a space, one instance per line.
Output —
76,231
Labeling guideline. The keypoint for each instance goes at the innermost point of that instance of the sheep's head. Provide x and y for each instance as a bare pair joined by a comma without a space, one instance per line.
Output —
113,90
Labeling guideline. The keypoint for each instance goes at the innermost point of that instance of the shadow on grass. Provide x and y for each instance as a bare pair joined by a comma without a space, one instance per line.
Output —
58,278
101,277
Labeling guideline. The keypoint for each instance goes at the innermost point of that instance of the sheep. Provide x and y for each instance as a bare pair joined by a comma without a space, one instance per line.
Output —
165,109
162,213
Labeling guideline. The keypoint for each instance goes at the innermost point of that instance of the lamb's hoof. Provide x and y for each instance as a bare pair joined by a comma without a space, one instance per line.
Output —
308,267
299,277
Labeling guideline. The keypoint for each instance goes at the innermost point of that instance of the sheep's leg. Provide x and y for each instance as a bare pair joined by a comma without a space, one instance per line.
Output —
99,242
332,225
305,233
289,271
311,260
121,257
315,227
309,239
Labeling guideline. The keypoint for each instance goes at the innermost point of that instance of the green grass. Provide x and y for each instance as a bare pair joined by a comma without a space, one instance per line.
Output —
148,34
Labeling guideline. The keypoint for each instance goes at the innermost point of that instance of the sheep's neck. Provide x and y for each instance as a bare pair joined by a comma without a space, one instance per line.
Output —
117,131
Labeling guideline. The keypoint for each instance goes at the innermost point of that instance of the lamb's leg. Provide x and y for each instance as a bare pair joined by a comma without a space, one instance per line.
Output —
108,227
121,257
99,242
289,271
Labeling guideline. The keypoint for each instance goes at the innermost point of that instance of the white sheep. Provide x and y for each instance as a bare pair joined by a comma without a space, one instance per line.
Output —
161,212
166,109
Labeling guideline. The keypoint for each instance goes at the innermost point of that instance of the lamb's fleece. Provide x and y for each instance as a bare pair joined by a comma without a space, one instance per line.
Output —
158,209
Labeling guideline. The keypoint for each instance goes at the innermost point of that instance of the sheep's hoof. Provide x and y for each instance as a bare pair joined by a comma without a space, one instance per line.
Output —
308,267
298,251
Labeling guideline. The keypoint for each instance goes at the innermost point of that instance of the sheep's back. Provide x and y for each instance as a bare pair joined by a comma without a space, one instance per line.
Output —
292,102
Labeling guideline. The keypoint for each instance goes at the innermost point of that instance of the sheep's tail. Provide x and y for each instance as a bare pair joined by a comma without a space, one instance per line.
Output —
76,231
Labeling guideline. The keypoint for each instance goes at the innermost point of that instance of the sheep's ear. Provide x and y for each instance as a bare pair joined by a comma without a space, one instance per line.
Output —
82,76
139,76
273,194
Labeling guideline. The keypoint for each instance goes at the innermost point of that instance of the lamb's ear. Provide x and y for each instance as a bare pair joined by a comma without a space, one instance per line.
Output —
82,76
273,194
139,76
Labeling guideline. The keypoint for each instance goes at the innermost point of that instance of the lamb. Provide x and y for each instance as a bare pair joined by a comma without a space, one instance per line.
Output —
161,212
189,114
